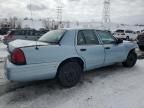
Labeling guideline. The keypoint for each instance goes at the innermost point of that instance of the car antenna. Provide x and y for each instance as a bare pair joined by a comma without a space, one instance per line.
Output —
36,47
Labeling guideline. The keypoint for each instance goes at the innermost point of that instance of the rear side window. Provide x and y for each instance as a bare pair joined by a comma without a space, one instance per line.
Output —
80,39
53,36
87,37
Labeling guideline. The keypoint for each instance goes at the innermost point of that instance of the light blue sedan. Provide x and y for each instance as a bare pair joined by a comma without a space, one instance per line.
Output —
65,54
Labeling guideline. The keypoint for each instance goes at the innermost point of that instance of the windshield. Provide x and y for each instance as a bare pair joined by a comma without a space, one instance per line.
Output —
120,31
52,36
129,31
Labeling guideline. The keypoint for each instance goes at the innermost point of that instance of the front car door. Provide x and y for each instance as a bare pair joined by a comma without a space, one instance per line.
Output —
89,48
113,52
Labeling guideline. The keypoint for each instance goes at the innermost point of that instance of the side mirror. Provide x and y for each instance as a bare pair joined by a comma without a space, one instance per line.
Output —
118,41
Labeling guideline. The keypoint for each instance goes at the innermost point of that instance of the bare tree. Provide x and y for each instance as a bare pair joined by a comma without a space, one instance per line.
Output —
12,22
68,24
46,23
19,24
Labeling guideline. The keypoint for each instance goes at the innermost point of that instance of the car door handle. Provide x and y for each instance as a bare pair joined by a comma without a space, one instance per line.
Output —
107,47
83,49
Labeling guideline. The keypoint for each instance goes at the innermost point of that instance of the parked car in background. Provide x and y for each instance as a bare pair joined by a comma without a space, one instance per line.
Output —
142,31
140,41
25,34
65,54
4,30
125,34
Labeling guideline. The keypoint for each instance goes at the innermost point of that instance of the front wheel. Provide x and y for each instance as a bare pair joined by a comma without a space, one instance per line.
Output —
69,74
131,59
141,48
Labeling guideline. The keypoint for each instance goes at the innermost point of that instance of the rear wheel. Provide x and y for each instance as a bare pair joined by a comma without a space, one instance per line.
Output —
69,74
131,59
127,38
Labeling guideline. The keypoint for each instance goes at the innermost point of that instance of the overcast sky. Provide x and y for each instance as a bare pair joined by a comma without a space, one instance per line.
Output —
122,11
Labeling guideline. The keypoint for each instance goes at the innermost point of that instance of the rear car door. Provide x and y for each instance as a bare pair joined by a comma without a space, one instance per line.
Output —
113,52
89,48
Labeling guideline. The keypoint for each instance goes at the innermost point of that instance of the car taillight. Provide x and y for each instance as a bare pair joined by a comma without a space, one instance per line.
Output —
18,57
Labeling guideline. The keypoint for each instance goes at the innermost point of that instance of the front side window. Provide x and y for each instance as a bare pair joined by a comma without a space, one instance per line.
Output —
106,37
129,31
87,37
52,36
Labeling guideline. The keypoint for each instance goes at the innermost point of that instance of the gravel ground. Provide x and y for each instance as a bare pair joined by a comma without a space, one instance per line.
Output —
109,87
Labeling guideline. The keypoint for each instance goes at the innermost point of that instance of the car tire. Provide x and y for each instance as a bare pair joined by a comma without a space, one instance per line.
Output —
69,74
131,59
127,38
141,48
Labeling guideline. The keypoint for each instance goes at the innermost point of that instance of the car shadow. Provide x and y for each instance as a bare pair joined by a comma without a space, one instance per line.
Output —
25,92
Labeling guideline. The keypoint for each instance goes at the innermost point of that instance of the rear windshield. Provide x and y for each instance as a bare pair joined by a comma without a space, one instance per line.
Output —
120,31
52,36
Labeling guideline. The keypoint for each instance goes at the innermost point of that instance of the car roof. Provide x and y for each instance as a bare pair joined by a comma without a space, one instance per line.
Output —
84,29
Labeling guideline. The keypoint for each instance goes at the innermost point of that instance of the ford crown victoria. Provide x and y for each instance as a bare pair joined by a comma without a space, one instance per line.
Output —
65,54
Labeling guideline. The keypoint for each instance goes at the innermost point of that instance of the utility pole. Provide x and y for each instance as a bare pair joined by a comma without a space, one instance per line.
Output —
106,15
59,11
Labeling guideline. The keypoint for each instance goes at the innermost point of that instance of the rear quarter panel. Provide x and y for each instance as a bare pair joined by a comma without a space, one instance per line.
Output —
48,54
54,54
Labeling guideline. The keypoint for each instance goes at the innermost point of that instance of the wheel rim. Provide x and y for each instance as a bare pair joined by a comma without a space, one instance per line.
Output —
72,75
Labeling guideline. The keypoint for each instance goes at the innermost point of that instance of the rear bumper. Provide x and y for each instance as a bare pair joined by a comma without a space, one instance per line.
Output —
30,72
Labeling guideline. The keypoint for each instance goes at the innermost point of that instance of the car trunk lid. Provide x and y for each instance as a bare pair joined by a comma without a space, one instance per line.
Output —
24,43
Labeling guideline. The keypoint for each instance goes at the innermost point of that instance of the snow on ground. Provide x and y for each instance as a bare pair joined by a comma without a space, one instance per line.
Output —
109,87
3,51
1,37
